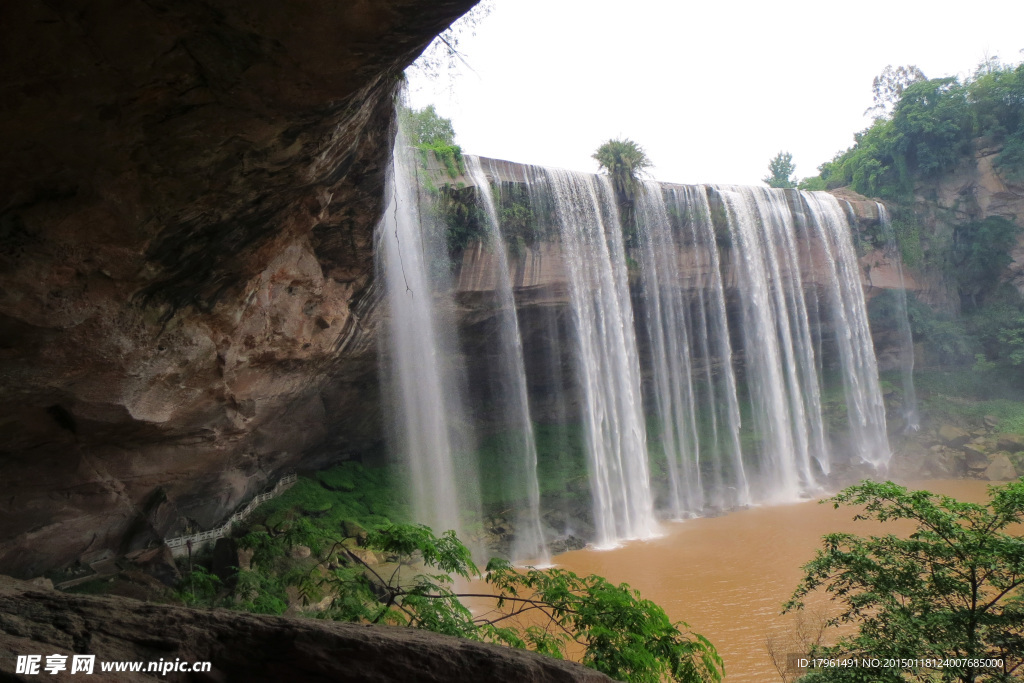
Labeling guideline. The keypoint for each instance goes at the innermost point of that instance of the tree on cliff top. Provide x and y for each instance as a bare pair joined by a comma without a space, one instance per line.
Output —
624,160
429,132
888,87
781,170
952,591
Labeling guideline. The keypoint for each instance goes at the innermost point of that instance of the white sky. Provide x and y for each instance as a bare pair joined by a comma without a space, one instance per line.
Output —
711,90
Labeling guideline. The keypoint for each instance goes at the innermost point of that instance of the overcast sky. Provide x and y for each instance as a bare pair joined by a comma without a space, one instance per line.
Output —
711,90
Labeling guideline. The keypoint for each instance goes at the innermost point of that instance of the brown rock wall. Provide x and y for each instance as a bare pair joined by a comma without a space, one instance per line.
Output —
189,195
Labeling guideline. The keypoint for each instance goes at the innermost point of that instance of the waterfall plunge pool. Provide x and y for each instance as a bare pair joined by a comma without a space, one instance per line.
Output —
728,576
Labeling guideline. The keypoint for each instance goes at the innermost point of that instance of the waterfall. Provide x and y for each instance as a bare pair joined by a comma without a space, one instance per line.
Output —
423,397
521,444
693,211
669,331
750,313
864,404
892,251
607,362
779,352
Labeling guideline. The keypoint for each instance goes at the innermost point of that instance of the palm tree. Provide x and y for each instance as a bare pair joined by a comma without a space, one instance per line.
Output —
623,160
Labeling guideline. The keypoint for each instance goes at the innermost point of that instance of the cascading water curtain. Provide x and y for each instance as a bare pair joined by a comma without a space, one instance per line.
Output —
607,362
738,290
521,443
421,392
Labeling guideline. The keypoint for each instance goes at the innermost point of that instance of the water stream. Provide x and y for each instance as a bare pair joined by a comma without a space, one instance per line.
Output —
892,251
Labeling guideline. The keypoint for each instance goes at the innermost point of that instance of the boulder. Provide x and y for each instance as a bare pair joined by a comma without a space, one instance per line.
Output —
299,552
354,530
977,459
991,421
157,562
1013,443
369,558
910,461
245,558
251,647
1000,469
945,463
953,436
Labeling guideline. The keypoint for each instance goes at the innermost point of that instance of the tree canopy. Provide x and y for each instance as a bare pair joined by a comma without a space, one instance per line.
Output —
430,132
950,591
930,127
889,86
624,160
780,171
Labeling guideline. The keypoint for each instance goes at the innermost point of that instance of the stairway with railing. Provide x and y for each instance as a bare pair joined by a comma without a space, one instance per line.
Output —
179,545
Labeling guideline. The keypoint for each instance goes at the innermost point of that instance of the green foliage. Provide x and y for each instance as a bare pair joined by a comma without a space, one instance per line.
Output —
907,232
561,464
780,171
966,395
812,184
888,86
980,253
260,592
625,637
624,160
457,212
1010,161
198,587
1012,338
403,574
932,126
346,492
430,133
946,337
951,589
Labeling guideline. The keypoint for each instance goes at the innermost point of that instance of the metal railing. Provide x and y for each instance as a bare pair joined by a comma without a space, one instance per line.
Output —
179,544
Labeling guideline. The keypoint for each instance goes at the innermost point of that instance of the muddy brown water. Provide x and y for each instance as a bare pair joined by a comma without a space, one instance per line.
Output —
728,576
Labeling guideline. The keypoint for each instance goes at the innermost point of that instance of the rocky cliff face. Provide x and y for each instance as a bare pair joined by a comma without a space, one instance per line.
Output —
539,271
248,647
190,190
975,190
